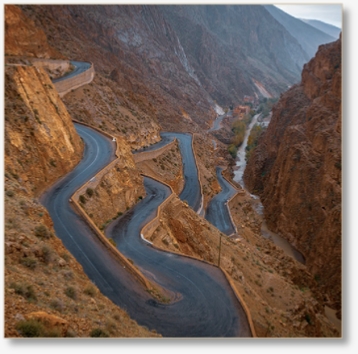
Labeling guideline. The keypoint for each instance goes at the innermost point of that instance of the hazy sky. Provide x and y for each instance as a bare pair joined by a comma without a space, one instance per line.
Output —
331,14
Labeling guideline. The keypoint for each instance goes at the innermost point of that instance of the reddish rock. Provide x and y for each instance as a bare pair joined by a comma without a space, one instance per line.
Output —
296,168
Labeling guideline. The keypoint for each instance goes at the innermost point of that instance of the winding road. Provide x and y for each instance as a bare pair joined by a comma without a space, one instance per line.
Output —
207,308
217,210
80,67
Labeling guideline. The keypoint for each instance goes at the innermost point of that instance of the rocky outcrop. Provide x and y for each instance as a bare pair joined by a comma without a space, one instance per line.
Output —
41,143
24,38
296,169
114,190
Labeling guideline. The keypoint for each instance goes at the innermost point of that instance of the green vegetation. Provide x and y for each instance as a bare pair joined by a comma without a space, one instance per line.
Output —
42,232
265,106
111,241
82,199
71,292
10,193
239,128
89,192
90,290
29,262
34,328
232,150
255,134
98,332
26,291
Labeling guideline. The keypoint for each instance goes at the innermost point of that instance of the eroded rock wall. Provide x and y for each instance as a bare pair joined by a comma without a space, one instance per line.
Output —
41,143
296,168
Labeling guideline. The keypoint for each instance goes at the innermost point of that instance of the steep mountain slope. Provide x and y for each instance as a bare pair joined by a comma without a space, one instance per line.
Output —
310,38
24,38
175,60
332,31
296,168
231,46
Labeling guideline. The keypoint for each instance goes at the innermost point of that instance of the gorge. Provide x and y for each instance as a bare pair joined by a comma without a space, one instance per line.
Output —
154,81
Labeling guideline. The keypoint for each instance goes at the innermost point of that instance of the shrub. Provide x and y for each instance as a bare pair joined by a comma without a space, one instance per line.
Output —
26,291
71,292
111,241
82,199
10,193
31,328
98,332
46,254
90,290
232,150
57,305
34,328
89,192
28,262
42,231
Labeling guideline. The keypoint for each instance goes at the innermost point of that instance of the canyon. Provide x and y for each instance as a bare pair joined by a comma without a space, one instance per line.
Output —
161,78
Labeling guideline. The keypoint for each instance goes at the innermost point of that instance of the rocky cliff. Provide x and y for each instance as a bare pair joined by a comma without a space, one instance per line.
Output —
296,169
24,38
41,143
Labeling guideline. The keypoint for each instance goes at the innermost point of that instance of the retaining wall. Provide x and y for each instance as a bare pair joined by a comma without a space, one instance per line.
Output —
200,184
65,86
149,155
228,202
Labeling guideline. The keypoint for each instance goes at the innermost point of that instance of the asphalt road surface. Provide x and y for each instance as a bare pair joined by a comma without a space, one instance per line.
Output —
164,141
80,67
208,307
217,212
191,192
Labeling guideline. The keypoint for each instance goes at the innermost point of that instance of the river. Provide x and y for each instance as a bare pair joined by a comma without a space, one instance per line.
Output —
239,170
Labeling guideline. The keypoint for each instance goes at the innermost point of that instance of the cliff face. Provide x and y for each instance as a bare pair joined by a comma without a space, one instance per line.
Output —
296,168
24,38
41,143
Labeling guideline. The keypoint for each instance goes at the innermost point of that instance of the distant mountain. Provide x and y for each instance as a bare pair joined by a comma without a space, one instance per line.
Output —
324,27
178,58
234,48
309,37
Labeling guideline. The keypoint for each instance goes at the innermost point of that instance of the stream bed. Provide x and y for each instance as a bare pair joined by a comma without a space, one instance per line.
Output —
239,170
